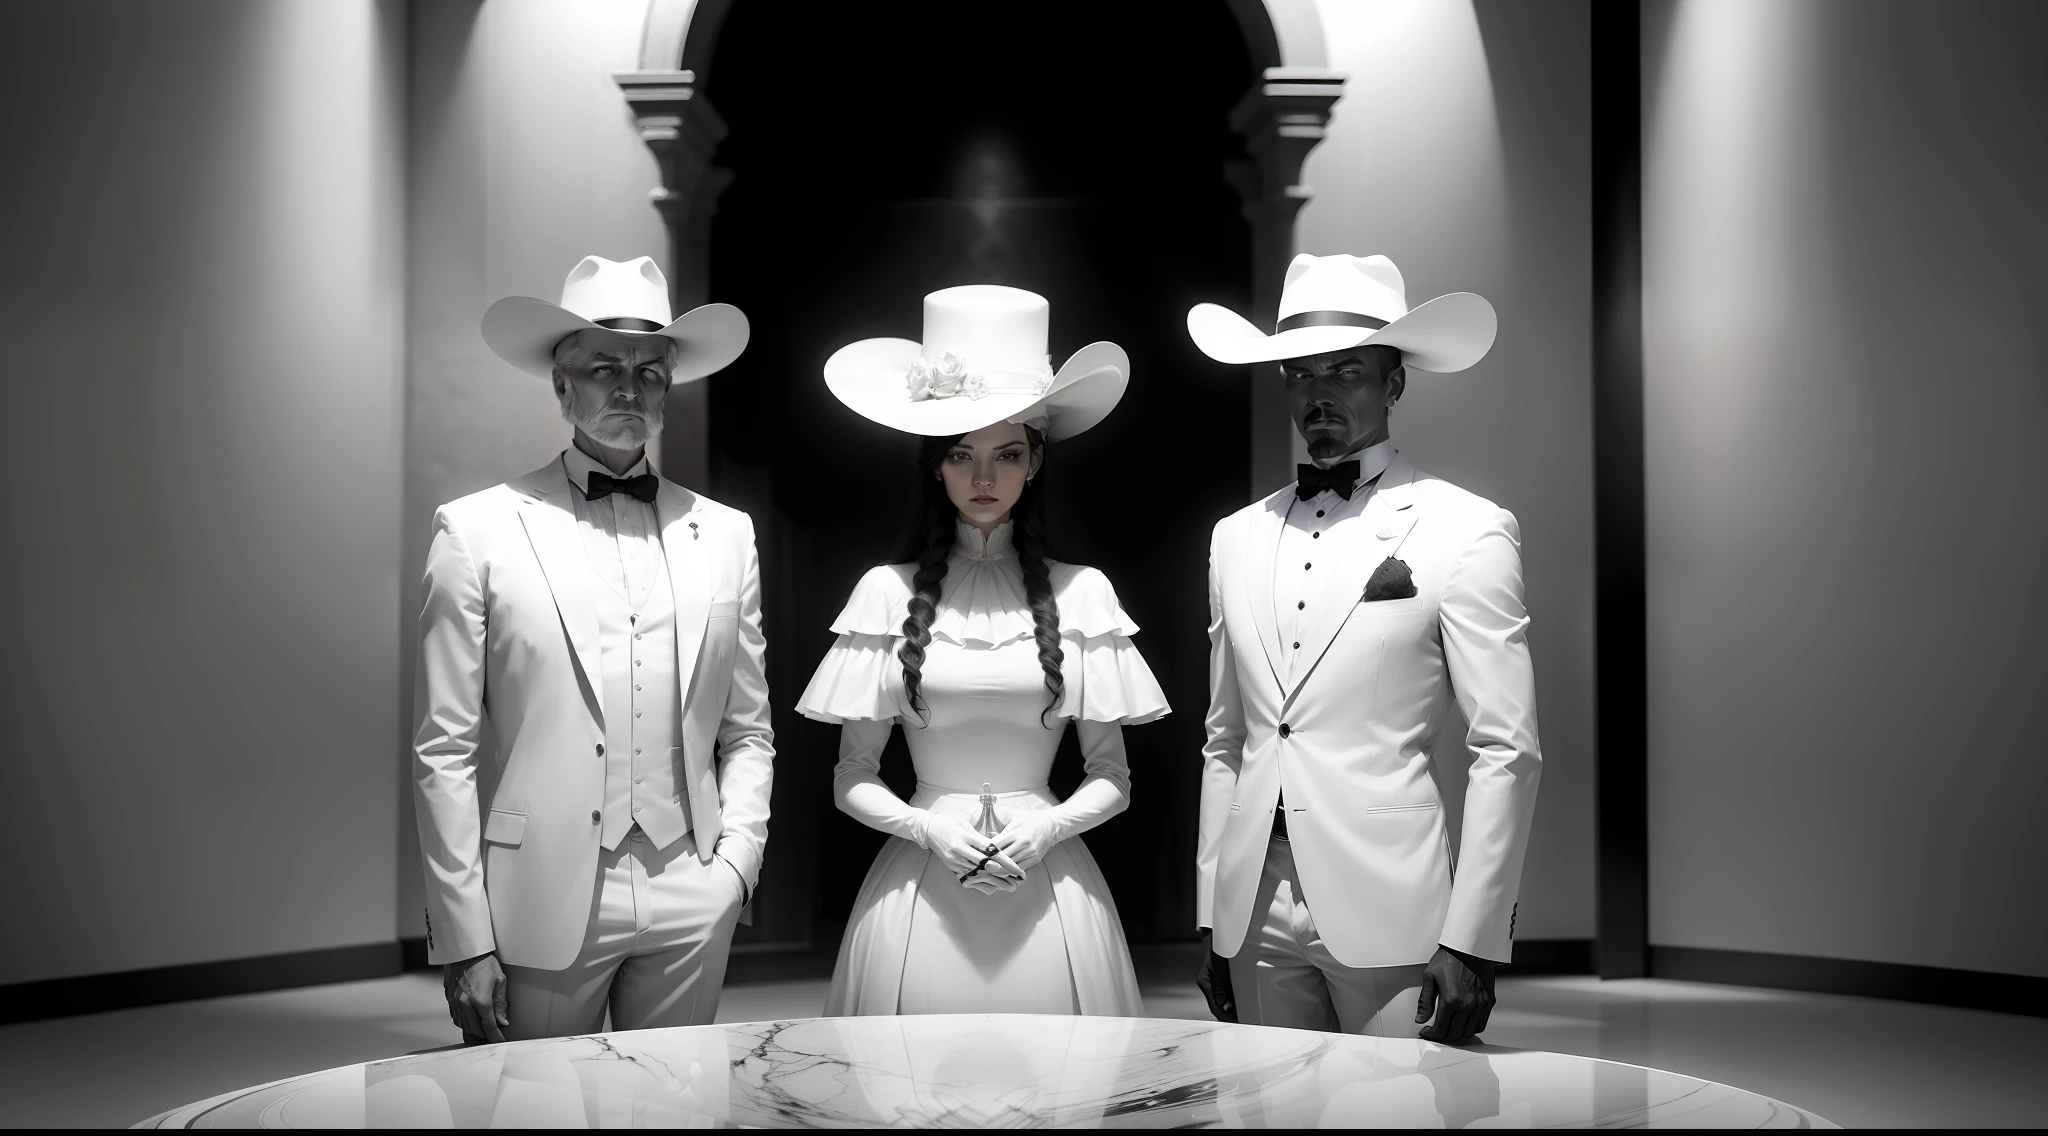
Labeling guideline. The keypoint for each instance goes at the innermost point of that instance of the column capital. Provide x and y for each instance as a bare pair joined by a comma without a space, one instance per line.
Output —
683,130
1281,119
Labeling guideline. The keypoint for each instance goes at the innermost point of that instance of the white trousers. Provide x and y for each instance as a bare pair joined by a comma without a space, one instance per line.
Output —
1285,976
653,955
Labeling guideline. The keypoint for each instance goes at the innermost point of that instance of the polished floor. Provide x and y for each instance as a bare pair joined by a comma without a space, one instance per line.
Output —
1858,1062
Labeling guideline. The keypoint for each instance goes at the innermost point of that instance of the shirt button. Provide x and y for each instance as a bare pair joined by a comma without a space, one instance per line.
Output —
639,780
1386,534
1304,568
639,713
1284,731
1297,646
636,635
1300,605
639,662
593,816
638,749
636,686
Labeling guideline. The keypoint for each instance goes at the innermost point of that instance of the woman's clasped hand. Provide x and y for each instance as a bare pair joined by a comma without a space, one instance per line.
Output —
967,854
1028,836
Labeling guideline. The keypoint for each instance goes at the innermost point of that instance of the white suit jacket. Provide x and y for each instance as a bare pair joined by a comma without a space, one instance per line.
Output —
509,637
1370,692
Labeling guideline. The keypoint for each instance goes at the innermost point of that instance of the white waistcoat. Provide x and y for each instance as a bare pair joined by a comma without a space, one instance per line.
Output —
643,711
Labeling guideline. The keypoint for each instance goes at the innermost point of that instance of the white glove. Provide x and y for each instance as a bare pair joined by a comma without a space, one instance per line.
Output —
963,850
1029,836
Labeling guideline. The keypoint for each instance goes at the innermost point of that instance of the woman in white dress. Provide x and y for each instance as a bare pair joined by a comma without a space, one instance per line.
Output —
983,650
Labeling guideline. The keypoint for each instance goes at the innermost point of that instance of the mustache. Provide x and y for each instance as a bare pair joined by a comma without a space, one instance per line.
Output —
1318,415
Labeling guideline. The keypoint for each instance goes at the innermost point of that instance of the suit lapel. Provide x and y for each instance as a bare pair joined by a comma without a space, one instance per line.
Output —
683,544
1377,534
1261,545
551,528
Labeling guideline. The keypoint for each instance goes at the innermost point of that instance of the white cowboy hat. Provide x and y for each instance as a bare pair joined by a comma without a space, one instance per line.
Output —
1329,303
630,297
983,361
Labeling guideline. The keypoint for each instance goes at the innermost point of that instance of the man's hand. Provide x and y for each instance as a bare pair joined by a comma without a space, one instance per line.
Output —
1458,989
1214,981
476,998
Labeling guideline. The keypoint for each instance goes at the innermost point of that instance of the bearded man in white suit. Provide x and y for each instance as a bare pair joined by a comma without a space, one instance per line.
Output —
605,624
1348,613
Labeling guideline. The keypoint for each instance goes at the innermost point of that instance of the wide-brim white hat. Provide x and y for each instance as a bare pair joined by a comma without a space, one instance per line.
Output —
982,361
630,297
1330,303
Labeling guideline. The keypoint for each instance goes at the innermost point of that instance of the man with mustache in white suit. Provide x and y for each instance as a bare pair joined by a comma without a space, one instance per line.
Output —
605,624
1349,613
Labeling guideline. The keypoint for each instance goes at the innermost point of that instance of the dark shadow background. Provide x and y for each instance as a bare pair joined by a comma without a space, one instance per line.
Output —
1038,156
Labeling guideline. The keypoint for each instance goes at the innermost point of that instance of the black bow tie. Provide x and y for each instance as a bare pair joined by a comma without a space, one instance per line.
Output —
1340,479
604,485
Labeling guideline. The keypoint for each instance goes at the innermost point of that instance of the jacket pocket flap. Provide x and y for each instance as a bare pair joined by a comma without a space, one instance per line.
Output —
505,828
1408,808
725,609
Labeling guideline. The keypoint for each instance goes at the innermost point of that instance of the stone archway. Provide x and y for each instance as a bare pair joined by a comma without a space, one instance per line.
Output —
1281,118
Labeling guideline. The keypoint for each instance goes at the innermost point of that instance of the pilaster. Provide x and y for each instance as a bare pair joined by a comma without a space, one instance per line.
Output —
682,130
1283,117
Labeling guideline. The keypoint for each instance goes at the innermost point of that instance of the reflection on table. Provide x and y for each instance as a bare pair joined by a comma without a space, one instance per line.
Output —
987,1071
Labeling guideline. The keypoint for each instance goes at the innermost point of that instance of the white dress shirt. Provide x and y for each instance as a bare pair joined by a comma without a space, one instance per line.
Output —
1305,536
620,532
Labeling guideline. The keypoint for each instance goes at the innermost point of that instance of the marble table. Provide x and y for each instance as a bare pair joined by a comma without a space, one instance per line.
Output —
987,1071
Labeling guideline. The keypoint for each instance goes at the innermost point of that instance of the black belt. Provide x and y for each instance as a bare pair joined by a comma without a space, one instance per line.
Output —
1280,820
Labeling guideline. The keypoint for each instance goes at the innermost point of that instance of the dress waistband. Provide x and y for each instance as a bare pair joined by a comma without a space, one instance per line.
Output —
952,799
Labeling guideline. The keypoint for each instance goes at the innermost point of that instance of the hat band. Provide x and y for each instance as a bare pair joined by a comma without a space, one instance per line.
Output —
948,377
627,323
1328,319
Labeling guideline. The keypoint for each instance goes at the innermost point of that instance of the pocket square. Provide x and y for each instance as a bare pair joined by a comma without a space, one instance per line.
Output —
1390,581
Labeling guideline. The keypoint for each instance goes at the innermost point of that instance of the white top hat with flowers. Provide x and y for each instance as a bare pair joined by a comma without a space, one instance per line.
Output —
1330,303
982,360
630,297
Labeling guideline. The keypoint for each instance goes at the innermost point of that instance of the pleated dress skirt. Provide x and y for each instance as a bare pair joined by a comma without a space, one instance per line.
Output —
920,943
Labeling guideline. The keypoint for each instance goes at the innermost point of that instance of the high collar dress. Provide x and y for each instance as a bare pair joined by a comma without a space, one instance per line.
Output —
918,941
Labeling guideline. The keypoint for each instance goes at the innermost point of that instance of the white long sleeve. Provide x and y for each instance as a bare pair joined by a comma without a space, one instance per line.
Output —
857,781
1105,788
857,787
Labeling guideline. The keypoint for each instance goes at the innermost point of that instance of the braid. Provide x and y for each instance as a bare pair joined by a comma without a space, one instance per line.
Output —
932,542
1045,610
937,544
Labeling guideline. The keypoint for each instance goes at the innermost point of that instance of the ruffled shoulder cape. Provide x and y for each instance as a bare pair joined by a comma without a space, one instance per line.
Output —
861,679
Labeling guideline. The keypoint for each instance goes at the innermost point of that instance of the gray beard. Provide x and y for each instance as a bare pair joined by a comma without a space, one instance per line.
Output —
1327,449
618,433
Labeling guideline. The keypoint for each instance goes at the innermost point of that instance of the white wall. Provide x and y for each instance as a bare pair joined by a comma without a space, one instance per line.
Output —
203,311
1845,408
524,159
1461,149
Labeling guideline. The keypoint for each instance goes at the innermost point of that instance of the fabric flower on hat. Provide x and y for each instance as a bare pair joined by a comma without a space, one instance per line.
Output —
949,371
919,380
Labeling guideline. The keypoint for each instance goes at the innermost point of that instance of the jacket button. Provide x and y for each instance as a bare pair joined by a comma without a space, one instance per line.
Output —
600,749
1284,731
593,816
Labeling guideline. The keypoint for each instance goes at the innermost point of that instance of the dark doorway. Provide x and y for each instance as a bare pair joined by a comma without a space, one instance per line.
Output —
1076,148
